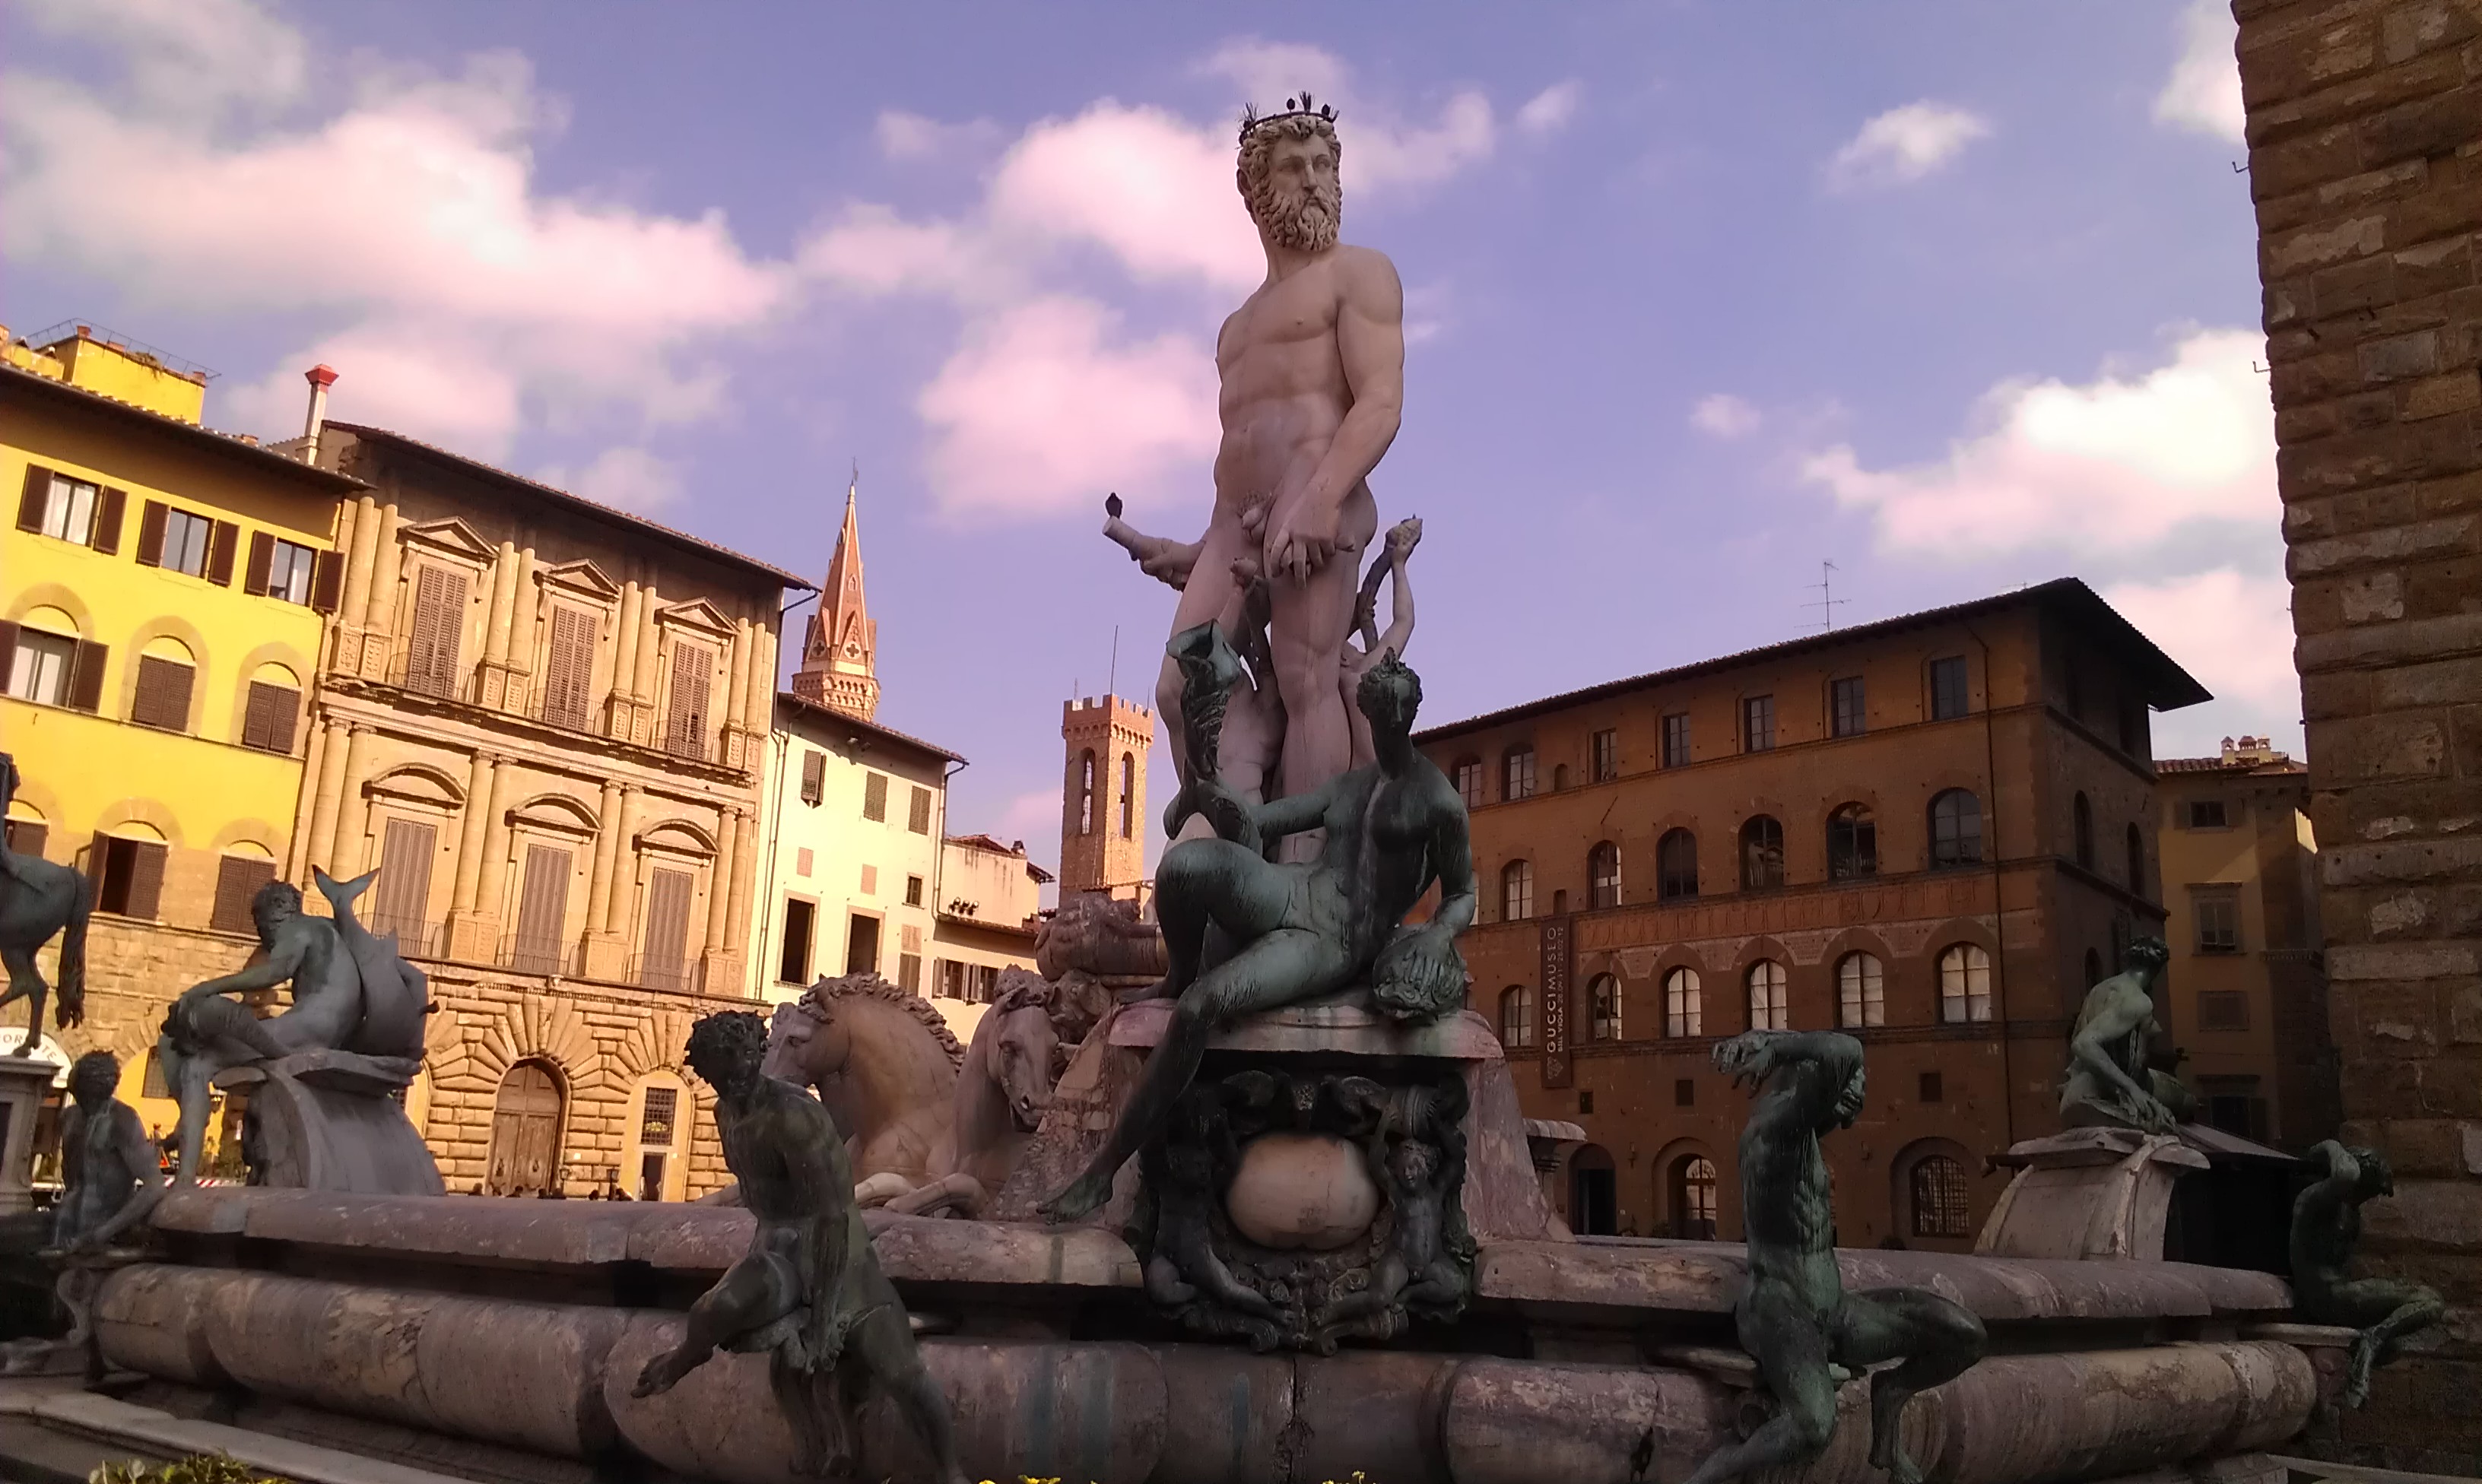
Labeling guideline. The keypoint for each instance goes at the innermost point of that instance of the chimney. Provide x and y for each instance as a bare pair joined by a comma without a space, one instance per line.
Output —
320,378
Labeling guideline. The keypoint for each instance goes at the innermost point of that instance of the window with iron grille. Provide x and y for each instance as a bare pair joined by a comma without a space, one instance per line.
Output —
1693,1198
1942,1206
656,1124
1948,698
1607,755
1758,723
1845,708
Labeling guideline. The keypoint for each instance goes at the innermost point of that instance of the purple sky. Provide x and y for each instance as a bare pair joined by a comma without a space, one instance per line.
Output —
1700,295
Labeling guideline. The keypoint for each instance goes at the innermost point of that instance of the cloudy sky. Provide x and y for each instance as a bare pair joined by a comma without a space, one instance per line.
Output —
1699,293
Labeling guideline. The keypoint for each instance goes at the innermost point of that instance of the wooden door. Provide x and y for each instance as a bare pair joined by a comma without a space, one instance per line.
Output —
542,911
525,1132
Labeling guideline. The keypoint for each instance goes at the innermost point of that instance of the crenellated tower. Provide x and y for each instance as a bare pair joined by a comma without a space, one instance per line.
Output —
1103,818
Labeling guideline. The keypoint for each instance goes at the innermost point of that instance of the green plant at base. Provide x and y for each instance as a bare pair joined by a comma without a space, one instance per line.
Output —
200,1469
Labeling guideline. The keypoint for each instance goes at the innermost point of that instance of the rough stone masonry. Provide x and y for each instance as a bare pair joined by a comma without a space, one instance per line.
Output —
2365,163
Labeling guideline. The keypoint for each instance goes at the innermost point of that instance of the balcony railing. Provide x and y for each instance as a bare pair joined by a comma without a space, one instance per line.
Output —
415,937
674,976
541,955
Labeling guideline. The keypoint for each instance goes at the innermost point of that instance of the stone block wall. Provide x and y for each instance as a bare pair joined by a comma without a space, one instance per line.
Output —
2365,162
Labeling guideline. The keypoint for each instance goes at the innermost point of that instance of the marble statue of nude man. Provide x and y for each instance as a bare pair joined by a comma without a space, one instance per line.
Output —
1312,370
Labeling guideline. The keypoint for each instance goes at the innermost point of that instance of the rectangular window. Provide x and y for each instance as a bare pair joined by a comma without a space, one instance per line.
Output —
288,572
401,899
266,721
1759,723
1684,1092
438,631
542,911
1930,1087
814,776
1676,740
1845,706
132,872
665,964
25,836
162,698
39,667
862,945
238,878
986,983
909,973
874,797
1948,688
68,509
2218,911
913,893
568,669
685,730
1469,782
917,818
2208,813
185,542
1516,773
656,1124
2223,1010
1607,755
952,980
793,965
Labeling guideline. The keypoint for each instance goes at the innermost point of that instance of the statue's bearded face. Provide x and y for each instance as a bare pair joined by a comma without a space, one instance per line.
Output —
1288,174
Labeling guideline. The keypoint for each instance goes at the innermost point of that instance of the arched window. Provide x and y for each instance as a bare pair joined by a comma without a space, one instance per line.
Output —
1860,991
1128,795
1605,992
1684,1010
1517,1017
1603,875
2082,817
167,673
2136,861
1762,866
1086,791
1965,983
1516,773
1517,890
1852,843
2094,967
1690,1197
525,1132
1767,1011
1469,774
1559,778
1676,864
1942,1203
1956,829
663,1112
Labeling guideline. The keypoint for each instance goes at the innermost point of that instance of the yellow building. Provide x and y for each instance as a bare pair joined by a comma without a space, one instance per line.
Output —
2247,985
161,591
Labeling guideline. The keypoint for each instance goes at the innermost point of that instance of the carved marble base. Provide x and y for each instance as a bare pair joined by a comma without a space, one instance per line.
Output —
331,1121
2093,1192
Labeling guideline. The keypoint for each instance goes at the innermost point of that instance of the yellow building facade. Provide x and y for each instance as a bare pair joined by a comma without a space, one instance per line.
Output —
160,625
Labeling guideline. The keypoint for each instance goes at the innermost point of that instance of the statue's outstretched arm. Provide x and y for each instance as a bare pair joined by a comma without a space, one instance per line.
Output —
1167,561
277,968
1294,813
1401,539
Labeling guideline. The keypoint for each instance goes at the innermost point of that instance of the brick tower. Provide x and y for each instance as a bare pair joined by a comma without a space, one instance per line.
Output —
1103,818
840,652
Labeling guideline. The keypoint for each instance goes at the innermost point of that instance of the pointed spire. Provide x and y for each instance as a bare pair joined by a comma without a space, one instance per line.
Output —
840,652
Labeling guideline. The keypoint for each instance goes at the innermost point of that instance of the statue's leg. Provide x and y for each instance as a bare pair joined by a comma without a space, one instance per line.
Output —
188,1074
757,1290
1280,967
216,1018
884,1343
1785,1337
1938,1340
1306,641
25,982
2386,1311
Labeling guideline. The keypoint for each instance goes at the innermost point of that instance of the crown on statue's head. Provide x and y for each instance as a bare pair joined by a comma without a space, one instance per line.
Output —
1294,108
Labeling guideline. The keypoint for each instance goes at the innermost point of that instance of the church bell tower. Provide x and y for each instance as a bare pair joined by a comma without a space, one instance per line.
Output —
840,652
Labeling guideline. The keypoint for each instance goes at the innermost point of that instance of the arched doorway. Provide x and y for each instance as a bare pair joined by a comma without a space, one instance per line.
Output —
525,1132
1689,1196
1594,1193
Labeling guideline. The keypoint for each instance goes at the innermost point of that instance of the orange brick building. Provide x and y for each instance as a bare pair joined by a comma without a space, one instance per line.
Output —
1933,831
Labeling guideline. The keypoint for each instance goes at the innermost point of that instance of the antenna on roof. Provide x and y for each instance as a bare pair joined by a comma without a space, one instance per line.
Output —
1827,601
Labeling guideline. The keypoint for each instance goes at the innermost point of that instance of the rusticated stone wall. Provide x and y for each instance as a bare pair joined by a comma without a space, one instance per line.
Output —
2365,162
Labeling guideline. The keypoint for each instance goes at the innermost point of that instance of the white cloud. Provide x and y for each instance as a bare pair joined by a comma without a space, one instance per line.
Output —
460,295
2204,91
1042,410
2233,631
904,136
1549,110
2112,465
1724,415
631,479
1153,189
1904,145
187,57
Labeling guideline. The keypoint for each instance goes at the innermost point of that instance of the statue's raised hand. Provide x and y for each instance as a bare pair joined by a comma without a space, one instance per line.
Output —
1750,1056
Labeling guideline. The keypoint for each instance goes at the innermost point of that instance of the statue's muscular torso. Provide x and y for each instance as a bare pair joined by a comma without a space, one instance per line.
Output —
1792,1242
